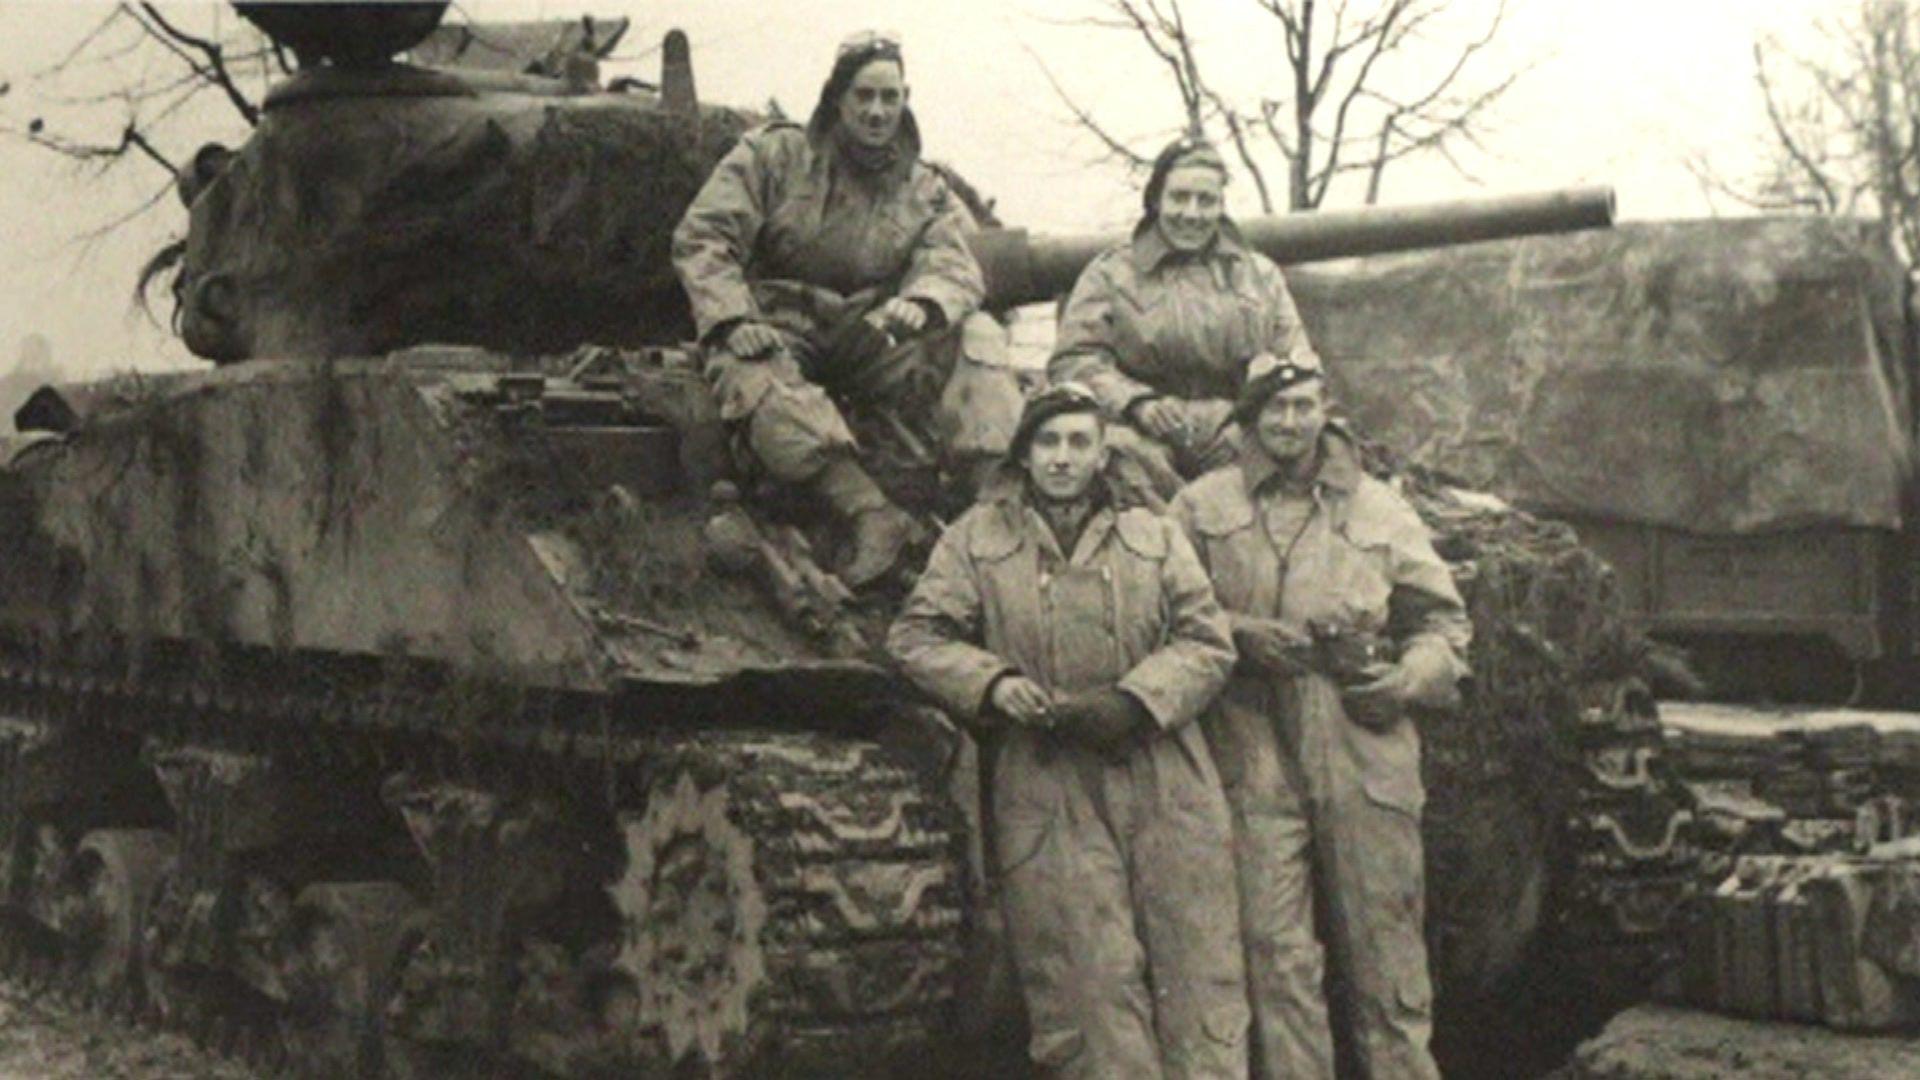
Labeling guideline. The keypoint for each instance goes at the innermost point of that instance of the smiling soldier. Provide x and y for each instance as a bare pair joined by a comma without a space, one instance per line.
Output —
1082,640
828,265
1162,326
1344,616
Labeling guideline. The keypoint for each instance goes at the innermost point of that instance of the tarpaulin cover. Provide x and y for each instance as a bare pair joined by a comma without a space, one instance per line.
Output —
1716,376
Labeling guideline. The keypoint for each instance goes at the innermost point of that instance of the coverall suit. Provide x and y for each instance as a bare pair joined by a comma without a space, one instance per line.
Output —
786,233
1311,788
1145,320
1116,876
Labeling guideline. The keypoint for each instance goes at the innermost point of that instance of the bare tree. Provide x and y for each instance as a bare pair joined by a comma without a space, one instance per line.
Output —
144,75
1364,84
1842,128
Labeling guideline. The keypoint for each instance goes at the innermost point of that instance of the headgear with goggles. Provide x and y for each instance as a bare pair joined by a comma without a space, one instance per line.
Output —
877,42
1186,150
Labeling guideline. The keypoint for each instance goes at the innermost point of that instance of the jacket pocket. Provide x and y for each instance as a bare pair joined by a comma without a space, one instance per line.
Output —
1235,554
1393,791
1361,573
1389,765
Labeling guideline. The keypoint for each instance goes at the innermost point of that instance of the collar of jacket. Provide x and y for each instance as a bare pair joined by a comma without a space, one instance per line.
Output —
1339,462
1150,249
1014,521
828,156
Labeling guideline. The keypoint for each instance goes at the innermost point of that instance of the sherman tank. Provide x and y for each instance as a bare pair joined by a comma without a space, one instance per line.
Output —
420,692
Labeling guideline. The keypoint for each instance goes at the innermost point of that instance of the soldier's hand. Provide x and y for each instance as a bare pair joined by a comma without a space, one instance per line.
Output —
1021,700
1160,417
1380,699
1108,721
901,318
1431,674
748,340
1270,646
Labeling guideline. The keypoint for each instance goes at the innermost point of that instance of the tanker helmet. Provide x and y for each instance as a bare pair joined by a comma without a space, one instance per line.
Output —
1186,150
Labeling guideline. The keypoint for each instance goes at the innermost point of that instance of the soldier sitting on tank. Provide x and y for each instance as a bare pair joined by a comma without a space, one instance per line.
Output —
1081,639
1161,326
830,260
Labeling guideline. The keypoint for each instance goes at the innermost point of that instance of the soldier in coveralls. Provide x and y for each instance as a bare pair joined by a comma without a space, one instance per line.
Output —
1082,638
1317,563
1161,326
831,260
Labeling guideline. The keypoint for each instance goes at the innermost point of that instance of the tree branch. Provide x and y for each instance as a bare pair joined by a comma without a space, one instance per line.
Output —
1115,147
1781,132
1238,136
131,140
215,67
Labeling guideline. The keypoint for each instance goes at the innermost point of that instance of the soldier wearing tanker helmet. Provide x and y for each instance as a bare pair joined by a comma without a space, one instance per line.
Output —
1080,639
1161,327
829,265
1344,616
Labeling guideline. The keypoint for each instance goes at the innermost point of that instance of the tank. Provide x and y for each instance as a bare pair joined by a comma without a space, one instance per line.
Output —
417,692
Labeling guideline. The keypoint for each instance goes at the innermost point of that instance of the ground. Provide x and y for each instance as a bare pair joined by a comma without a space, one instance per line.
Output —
1656,1042
44,1040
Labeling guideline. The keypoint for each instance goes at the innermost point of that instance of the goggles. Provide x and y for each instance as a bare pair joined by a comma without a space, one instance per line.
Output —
882,41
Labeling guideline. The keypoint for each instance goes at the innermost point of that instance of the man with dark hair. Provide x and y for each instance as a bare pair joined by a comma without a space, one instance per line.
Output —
831,260
1344,616
1080,640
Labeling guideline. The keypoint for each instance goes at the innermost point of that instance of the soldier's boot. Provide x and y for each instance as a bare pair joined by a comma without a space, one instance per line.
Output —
882,532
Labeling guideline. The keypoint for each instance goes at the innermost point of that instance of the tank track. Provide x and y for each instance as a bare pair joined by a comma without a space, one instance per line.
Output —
323,871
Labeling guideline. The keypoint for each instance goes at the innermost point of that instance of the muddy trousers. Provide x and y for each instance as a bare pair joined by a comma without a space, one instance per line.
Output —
1326,812
1117,885
959,378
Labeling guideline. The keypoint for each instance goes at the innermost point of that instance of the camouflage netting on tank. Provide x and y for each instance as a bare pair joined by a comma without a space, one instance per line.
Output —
1552,868
1723,376
356,225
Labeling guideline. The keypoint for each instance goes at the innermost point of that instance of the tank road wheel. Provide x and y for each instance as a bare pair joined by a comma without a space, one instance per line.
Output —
693,917
340,956
790,903
110,884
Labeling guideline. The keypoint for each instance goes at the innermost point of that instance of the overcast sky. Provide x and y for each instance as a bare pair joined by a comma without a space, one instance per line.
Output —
1619,92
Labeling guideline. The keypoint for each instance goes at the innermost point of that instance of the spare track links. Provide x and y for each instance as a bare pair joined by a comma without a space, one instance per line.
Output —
323,887
1636,842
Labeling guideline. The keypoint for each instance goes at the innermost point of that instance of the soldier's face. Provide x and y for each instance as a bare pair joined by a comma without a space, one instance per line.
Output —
1067,452
1190,206
870,109
1289,425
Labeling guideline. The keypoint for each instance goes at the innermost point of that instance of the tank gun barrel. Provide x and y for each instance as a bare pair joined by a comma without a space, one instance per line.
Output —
1022,268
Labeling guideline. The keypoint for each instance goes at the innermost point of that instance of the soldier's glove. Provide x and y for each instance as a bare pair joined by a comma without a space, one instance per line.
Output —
1433,673
1349,657
1377,702
853,346
1269,646
1110,722
1426,675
